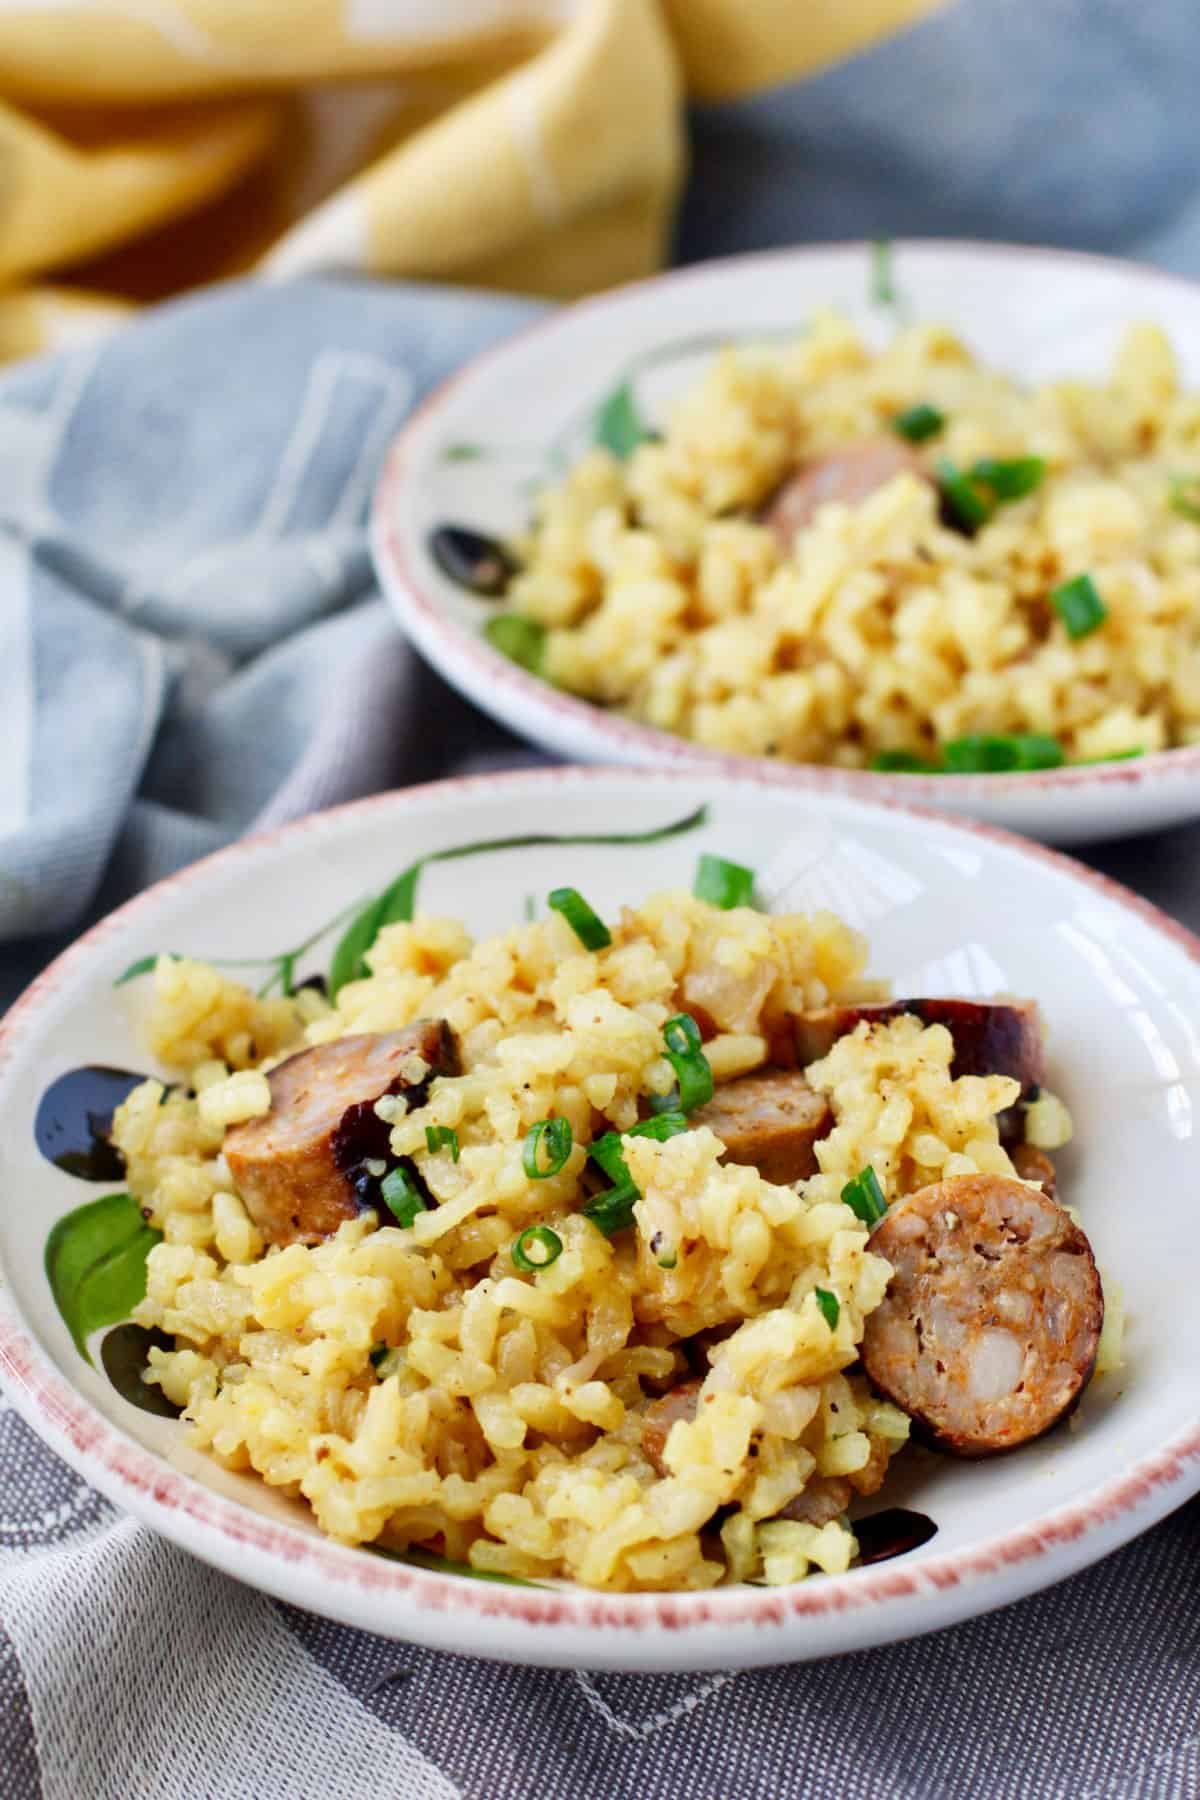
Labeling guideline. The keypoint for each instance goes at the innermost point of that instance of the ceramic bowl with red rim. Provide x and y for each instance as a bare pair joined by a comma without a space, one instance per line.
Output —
947,907
476,451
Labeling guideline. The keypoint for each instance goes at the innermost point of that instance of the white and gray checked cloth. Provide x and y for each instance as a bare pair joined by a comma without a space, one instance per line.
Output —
182,556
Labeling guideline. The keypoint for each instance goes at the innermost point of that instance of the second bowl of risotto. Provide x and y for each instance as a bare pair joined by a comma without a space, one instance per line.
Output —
921,519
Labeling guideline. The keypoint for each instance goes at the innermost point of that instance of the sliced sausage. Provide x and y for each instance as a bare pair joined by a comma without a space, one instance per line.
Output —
297,1166
988,1331
771,1120
660,1415
1032,1164
825,1497
991,1037
848,475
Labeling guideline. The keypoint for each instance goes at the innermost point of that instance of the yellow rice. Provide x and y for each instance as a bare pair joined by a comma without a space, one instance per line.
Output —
504,1427
883,630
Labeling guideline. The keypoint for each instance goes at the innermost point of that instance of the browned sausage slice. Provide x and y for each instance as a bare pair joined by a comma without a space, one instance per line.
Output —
295,1167
1033,1164
848,475
991,1037
660,1415
771,1120
988,1332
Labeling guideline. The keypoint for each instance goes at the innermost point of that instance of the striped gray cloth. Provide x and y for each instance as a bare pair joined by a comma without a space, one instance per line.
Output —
190,646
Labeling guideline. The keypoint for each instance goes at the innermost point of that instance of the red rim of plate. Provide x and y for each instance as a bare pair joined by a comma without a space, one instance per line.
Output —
420,607
203,1520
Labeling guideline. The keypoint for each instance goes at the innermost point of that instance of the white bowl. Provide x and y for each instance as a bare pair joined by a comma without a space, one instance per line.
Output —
1036,313
948,908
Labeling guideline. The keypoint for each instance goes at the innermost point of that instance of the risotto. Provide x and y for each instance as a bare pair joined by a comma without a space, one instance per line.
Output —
482,1259
899,559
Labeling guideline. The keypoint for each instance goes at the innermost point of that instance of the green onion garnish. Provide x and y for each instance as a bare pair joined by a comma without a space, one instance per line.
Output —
1079,606
1085,762
546,1148
668,1261
830,1307
522,640
681,1035
441,1137
723,884
1185,496
981,754
1010,480
612,1211
607,1149
864,1196
536,1248
901,762
883,288
404,1199
916,423
588,926
970,506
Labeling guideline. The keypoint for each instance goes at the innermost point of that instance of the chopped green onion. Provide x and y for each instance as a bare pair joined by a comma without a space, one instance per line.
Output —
981,754
1085,762
970,506
1079,606
607,1149
669,1261
612,1211
1012,479
883,288
403,1197
588,926
916,423
681,1036
441,1137
830,1306
1185,496
864,1196
546,1148
522,640
549,1247
901,762
723,884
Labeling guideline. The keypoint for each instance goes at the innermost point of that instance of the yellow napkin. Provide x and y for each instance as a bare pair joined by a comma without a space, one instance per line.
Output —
537,145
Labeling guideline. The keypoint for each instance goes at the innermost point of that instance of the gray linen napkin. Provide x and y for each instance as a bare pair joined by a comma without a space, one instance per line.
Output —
190,644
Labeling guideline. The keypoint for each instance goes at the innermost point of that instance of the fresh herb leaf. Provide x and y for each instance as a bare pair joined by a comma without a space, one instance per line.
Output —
864,1196
587,925
442,1137
1078,604
95,1262
401,1195
917,423
901,762
546,1148
1184,496
549,1247
441,1565
724,884
964,498
883,286
618,426
1010,480
981,754
522,640
830,1306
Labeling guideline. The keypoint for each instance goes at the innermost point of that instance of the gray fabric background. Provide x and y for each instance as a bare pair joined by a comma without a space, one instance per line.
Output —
181,555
